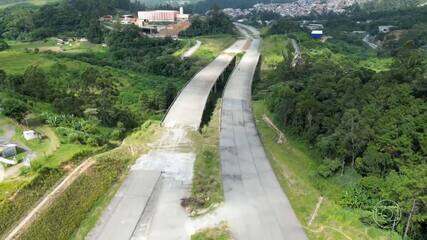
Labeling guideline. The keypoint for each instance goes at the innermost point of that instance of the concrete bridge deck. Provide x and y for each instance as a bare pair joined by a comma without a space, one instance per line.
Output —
188,108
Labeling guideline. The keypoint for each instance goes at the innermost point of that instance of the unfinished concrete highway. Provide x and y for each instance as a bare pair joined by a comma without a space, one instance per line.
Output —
188,108
147,206
255,205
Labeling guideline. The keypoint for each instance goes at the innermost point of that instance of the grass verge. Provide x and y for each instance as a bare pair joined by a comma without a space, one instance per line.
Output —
220,232
295,166
213,45
206,191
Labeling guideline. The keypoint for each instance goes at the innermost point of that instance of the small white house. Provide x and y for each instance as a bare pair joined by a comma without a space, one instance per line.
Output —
385,29
30,135
317,34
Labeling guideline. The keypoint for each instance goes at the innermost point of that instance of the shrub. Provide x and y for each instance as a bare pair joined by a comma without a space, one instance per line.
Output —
14,108
329,167
3,45
207,185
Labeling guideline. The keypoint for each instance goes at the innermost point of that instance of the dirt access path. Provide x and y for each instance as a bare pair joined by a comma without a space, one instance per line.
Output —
8,133
49,198
192,50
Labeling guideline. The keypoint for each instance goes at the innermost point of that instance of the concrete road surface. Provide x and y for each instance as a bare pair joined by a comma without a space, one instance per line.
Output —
123,213
164,217
255,205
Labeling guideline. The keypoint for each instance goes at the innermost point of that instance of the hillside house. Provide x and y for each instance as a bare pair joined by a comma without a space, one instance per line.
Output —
385,29
127,19
30,135
317,34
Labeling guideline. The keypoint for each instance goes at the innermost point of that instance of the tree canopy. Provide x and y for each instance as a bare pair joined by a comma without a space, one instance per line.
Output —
373,122
216,22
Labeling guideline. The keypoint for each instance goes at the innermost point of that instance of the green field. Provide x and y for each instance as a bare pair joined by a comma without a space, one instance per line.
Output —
20,192
17,61
8,3
56,152
22,54
213,45
274,48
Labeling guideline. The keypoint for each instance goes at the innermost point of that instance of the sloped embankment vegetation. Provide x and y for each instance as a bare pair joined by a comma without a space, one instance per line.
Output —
220,232
365,116
31,189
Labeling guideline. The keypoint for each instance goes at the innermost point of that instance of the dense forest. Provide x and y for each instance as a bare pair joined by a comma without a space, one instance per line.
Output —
371,121
69,18
215,22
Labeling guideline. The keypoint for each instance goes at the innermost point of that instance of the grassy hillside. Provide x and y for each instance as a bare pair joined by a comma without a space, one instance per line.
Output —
8,3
